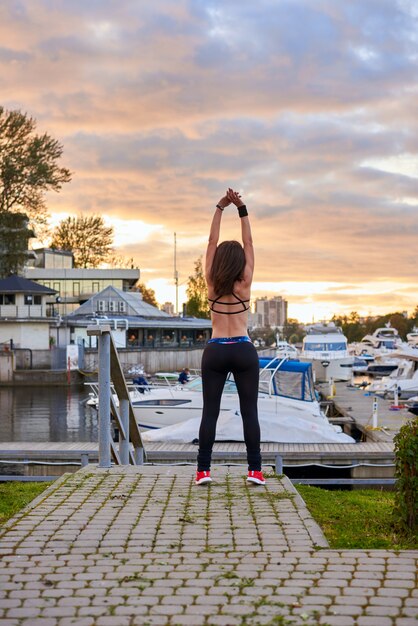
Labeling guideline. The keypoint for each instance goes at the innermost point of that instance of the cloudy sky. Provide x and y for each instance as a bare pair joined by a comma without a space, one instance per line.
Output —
308,107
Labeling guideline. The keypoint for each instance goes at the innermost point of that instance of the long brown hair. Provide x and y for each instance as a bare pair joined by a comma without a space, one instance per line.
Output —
227,267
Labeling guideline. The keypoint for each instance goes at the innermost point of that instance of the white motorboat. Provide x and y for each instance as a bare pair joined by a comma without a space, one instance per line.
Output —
325,347
378,349
287,407
403,380
360,365
285,349
383,365
412,337
382,341
412,405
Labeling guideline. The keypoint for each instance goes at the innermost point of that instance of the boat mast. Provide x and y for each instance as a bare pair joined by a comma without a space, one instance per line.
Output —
176,274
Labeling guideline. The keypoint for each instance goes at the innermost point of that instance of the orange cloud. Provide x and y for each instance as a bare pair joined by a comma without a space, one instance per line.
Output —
303,107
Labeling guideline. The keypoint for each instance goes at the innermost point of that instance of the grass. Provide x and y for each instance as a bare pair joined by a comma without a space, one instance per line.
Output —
358,519
15,495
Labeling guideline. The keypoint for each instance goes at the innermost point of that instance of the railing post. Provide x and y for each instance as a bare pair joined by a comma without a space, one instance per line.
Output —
124,442
104,399
279,465
139,456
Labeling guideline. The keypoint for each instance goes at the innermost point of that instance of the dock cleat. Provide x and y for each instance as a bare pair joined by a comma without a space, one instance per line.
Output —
256,477
203,477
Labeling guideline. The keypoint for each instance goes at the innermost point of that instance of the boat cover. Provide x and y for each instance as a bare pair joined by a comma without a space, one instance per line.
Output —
292,379
286,429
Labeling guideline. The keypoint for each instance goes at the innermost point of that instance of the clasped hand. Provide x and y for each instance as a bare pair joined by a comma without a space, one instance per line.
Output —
231,196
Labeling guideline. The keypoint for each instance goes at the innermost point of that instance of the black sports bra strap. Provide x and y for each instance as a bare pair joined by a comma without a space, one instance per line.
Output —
239,301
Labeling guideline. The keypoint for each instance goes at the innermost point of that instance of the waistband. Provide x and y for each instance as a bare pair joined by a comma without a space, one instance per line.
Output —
227,340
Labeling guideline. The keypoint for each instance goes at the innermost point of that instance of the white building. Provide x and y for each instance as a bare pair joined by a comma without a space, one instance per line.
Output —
272,311
24,314
168,307
73,286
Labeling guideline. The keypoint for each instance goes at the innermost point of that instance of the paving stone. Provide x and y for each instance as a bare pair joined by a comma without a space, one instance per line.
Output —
337,620
365,620
90,556
81,621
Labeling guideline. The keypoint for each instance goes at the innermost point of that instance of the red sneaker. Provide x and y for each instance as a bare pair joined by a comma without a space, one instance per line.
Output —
203,477
256,477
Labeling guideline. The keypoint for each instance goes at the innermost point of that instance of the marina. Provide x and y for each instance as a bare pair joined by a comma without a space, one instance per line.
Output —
48,432
371,458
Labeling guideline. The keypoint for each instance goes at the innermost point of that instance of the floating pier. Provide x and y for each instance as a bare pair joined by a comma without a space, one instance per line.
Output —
357,406
370,459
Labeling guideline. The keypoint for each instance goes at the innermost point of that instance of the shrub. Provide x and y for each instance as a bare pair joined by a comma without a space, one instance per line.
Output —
406,473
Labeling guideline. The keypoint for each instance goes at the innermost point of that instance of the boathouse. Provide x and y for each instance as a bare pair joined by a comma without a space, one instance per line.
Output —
135,323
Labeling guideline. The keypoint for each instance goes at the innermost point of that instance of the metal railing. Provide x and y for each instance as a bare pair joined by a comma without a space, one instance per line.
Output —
110,372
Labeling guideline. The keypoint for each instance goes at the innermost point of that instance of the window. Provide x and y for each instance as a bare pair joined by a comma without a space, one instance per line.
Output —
9,298
101,306
95,288
325,347
113,306
387,344
47,284
122,306
28,299
37,299
337,346
57,287
1,298
76,289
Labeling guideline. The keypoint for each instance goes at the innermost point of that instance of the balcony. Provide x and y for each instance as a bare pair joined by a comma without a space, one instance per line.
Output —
22,311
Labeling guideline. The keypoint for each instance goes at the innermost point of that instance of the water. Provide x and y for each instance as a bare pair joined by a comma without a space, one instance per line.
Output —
41,414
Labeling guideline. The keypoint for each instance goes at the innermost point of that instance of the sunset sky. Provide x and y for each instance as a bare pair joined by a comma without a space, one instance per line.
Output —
308,107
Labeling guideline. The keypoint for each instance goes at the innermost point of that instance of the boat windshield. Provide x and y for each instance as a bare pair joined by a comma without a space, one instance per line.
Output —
387,344
333,346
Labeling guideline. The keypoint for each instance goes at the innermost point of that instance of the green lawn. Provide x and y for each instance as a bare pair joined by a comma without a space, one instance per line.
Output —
15,495
356,519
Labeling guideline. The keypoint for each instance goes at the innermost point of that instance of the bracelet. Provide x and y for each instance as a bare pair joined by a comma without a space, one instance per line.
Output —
219,207
242,210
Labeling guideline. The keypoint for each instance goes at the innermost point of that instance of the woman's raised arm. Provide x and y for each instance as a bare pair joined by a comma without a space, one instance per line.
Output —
247,239
215,228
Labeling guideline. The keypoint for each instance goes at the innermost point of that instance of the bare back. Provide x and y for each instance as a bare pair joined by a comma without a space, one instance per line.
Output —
229,313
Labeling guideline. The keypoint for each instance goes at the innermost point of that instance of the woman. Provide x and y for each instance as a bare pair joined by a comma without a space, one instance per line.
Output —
229,274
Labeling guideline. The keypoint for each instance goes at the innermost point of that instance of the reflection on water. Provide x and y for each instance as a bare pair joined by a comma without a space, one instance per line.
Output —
46,414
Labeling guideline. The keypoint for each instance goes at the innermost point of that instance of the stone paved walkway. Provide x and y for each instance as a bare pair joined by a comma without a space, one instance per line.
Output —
136,546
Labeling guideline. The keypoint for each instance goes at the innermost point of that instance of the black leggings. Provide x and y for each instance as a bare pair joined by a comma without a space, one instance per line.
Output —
218,360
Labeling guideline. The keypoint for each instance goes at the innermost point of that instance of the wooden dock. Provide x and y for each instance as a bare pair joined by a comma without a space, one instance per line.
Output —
234,452
372,457
357,405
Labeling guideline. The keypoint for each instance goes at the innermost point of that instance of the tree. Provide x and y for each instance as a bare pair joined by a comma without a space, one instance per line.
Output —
14,236
351,326
121,262
28,166
88,238
265,334
293,331
148,294
197,293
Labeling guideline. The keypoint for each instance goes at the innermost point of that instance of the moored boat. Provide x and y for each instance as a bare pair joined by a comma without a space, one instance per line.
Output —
325,347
